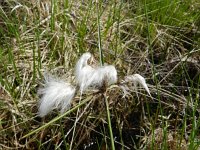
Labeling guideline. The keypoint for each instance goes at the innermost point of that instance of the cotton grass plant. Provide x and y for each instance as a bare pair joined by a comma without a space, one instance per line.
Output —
136,37
58,94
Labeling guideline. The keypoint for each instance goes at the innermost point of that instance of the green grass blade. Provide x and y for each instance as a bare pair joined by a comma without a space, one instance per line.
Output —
58,118
109,123
99,35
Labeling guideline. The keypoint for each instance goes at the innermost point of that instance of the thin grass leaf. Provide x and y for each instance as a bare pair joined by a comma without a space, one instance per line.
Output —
58,118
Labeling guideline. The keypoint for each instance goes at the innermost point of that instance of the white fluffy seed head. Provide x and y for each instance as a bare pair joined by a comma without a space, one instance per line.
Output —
107,74
82,62
80,65
137,79
87,76
83,71
111,74
56,94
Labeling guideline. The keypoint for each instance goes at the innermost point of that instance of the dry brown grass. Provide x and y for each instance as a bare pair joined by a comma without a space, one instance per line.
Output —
35,39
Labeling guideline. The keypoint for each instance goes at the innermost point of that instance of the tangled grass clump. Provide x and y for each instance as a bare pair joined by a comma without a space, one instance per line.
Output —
157,39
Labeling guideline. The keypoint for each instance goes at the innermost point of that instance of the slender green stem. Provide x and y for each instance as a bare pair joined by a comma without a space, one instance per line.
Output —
109,122
118,26
149,49
147,22
99,36
53,12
